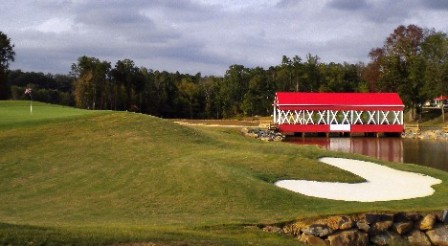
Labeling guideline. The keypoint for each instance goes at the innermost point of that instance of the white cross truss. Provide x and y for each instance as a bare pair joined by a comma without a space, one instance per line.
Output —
338,117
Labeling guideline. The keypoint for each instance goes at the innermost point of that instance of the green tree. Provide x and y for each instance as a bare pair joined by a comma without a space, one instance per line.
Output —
435,53
148,94
91,84
188,97
371,72
256,96
285,74
128,83
6,55
400,66
166,93
209,89
289,74
332,77
336,77
311,78
232,90
297,72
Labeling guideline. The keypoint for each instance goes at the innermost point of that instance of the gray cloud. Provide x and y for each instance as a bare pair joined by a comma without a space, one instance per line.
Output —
204,36
348,4
390,11
435,4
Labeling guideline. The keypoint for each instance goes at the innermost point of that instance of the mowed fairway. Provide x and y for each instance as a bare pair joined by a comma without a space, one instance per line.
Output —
70,176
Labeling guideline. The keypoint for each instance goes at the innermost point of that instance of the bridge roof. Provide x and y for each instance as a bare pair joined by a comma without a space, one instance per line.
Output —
338,101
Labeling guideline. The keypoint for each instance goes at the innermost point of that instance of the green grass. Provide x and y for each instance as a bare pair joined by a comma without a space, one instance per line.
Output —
70,176
429,117
17,113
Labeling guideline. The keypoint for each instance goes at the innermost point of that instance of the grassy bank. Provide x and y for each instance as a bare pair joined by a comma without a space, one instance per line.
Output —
85,177
429,117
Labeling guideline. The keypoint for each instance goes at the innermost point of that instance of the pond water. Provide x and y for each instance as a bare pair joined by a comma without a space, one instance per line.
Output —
433,153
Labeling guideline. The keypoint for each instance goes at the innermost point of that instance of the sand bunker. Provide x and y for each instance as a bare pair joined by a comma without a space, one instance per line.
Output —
382,183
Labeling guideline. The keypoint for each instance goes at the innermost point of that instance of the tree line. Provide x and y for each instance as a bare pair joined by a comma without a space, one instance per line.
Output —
413,62
97,84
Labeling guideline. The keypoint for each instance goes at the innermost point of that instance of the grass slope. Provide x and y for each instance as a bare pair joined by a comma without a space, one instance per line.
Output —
16,114
70,176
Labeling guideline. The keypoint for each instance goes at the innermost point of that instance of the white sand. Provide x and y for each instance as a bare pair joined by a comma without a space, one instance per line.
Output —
382,183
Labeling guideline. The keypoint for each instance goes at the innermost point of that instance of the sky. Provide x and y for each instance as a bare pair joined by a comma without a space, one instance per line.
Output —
205,36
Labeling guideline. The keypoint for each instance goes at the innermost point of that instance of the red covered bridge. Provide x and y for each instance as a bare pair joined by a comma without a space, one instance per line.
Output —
338,112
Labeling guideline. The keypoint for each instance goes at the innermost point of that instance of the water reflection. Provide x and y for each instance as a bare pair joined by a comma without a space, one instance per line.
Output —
422,152
426,152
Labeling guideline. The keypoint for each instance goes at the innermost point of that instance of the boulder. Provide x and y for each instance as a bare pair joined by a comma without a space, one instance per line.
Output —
363,226
380,226
439,215
403,227
318,230
348,237
264,135
417,237
278,138
387,238
312,240
443,216
403,217
373,218
265,139
415,216
345,223
438,235
336,222
370,218
427,222
371,229
294,228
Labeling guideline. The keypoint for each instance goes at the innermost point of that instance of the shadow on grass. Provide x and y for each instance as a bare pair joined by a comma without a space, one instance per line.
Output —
11,234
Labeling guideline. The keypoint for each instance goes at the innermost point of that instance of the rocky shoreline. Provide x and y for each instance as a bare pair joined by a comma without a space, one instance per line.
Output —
271,135
426,134
410,228
262,134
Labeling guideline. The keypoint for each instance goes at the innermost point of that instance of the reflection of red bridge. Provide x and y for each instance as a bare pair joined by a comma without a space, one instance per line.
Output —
338,112
388,149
